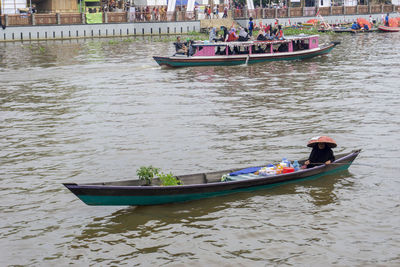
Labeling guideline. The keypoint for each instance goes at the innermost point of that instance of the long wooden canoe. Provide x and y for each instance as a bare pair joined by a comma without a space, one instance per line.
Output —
195,186
388,29
347,30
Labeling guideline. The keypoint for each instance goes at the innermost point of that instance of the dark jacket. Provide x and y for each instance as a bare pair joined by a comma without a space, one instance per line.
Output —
320,156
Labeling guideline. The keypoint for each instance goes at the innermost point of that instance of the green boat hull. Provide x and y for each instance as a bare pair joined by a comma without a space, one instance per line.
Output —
164,199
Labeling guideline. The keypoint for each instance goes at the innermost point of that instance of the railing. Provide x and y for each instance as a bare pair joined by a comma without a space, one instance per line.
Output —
268,13
296,12
143,16
351,10
387,8
376,9
362,9
324,11
18,20
282,13
45,19
112,17
71,18
309,11
337,10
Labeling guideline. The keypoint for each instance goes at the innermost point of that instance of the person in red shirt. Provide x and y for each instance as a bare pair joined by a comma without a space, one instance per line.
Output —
279,33
232,35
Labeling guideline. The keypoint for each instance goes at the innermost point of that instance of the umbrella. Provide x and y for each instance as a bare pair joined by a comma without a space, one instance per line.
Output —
393,22
322,139
363,21
313,21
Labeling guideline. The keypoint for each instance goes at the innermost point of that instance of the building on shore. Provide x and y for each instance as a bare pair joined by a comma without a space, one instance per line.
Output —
43,6
83,6
12,6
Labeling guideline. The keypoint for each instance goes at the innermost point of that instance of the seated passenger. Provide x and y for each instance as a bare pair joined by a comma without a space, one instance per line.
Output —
180,47
243,35
267,33
366,27
268,28
355,26
261,36
279,33
232,36
260,49
283,48
191,50
213,35
321,152
224,36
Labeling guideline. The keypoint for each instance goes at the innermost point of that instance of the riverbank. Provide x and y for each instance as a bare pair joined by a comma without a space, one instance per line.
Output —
77,31
65,32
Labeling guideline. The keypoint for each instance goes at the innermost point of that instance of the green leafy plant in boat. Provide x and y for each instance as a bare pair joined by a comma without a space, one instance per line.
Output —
168,179
147,174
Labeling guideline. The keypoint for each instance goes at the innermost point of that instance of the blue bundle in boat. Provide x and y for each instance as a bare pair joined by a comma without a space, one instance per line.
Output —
245,171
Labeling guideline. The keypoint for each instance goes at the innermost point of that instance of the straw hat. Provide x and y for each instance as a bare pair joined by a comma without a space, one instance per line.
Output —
322,139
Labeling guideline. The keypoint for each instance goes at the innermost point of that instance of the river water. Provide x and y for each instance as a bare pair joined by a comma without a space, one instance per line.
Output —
96,110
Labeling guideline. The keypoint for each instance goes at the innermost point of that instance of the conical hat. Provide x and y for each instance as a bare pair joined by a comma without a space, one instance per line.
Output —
322,139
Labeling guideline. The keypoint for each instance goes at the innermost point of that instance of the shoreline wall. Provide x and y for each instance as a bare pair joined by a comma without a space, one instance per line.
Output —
77,31
329,19
74,31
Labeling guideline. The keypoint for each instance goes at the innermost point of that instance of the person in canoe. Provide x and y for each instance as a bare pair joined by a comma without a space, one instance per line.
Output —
387,20
321,153
179,46
355,26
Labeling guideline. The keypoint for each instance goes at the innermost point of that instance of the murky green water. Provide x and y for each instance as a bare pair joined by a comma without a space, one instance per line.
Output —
95,110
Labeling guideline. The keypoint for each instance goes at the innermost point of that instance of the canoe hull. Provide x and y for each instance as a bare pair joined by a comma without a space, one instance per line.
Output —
348,30
182,61
389,29
98,194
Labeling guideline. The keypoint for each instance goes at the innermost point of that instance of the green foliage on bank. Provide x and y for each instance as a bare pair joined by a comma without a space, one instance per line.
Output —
36,48
297,31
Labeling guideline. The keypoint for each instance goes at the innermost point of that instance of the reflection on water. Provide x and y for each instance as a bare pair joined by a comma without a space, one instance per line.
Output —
96,110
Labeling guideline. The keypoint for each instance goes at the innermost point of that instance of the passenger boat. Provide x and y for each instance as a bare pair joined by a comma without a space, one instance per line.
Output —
237,53
196,186
388,29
